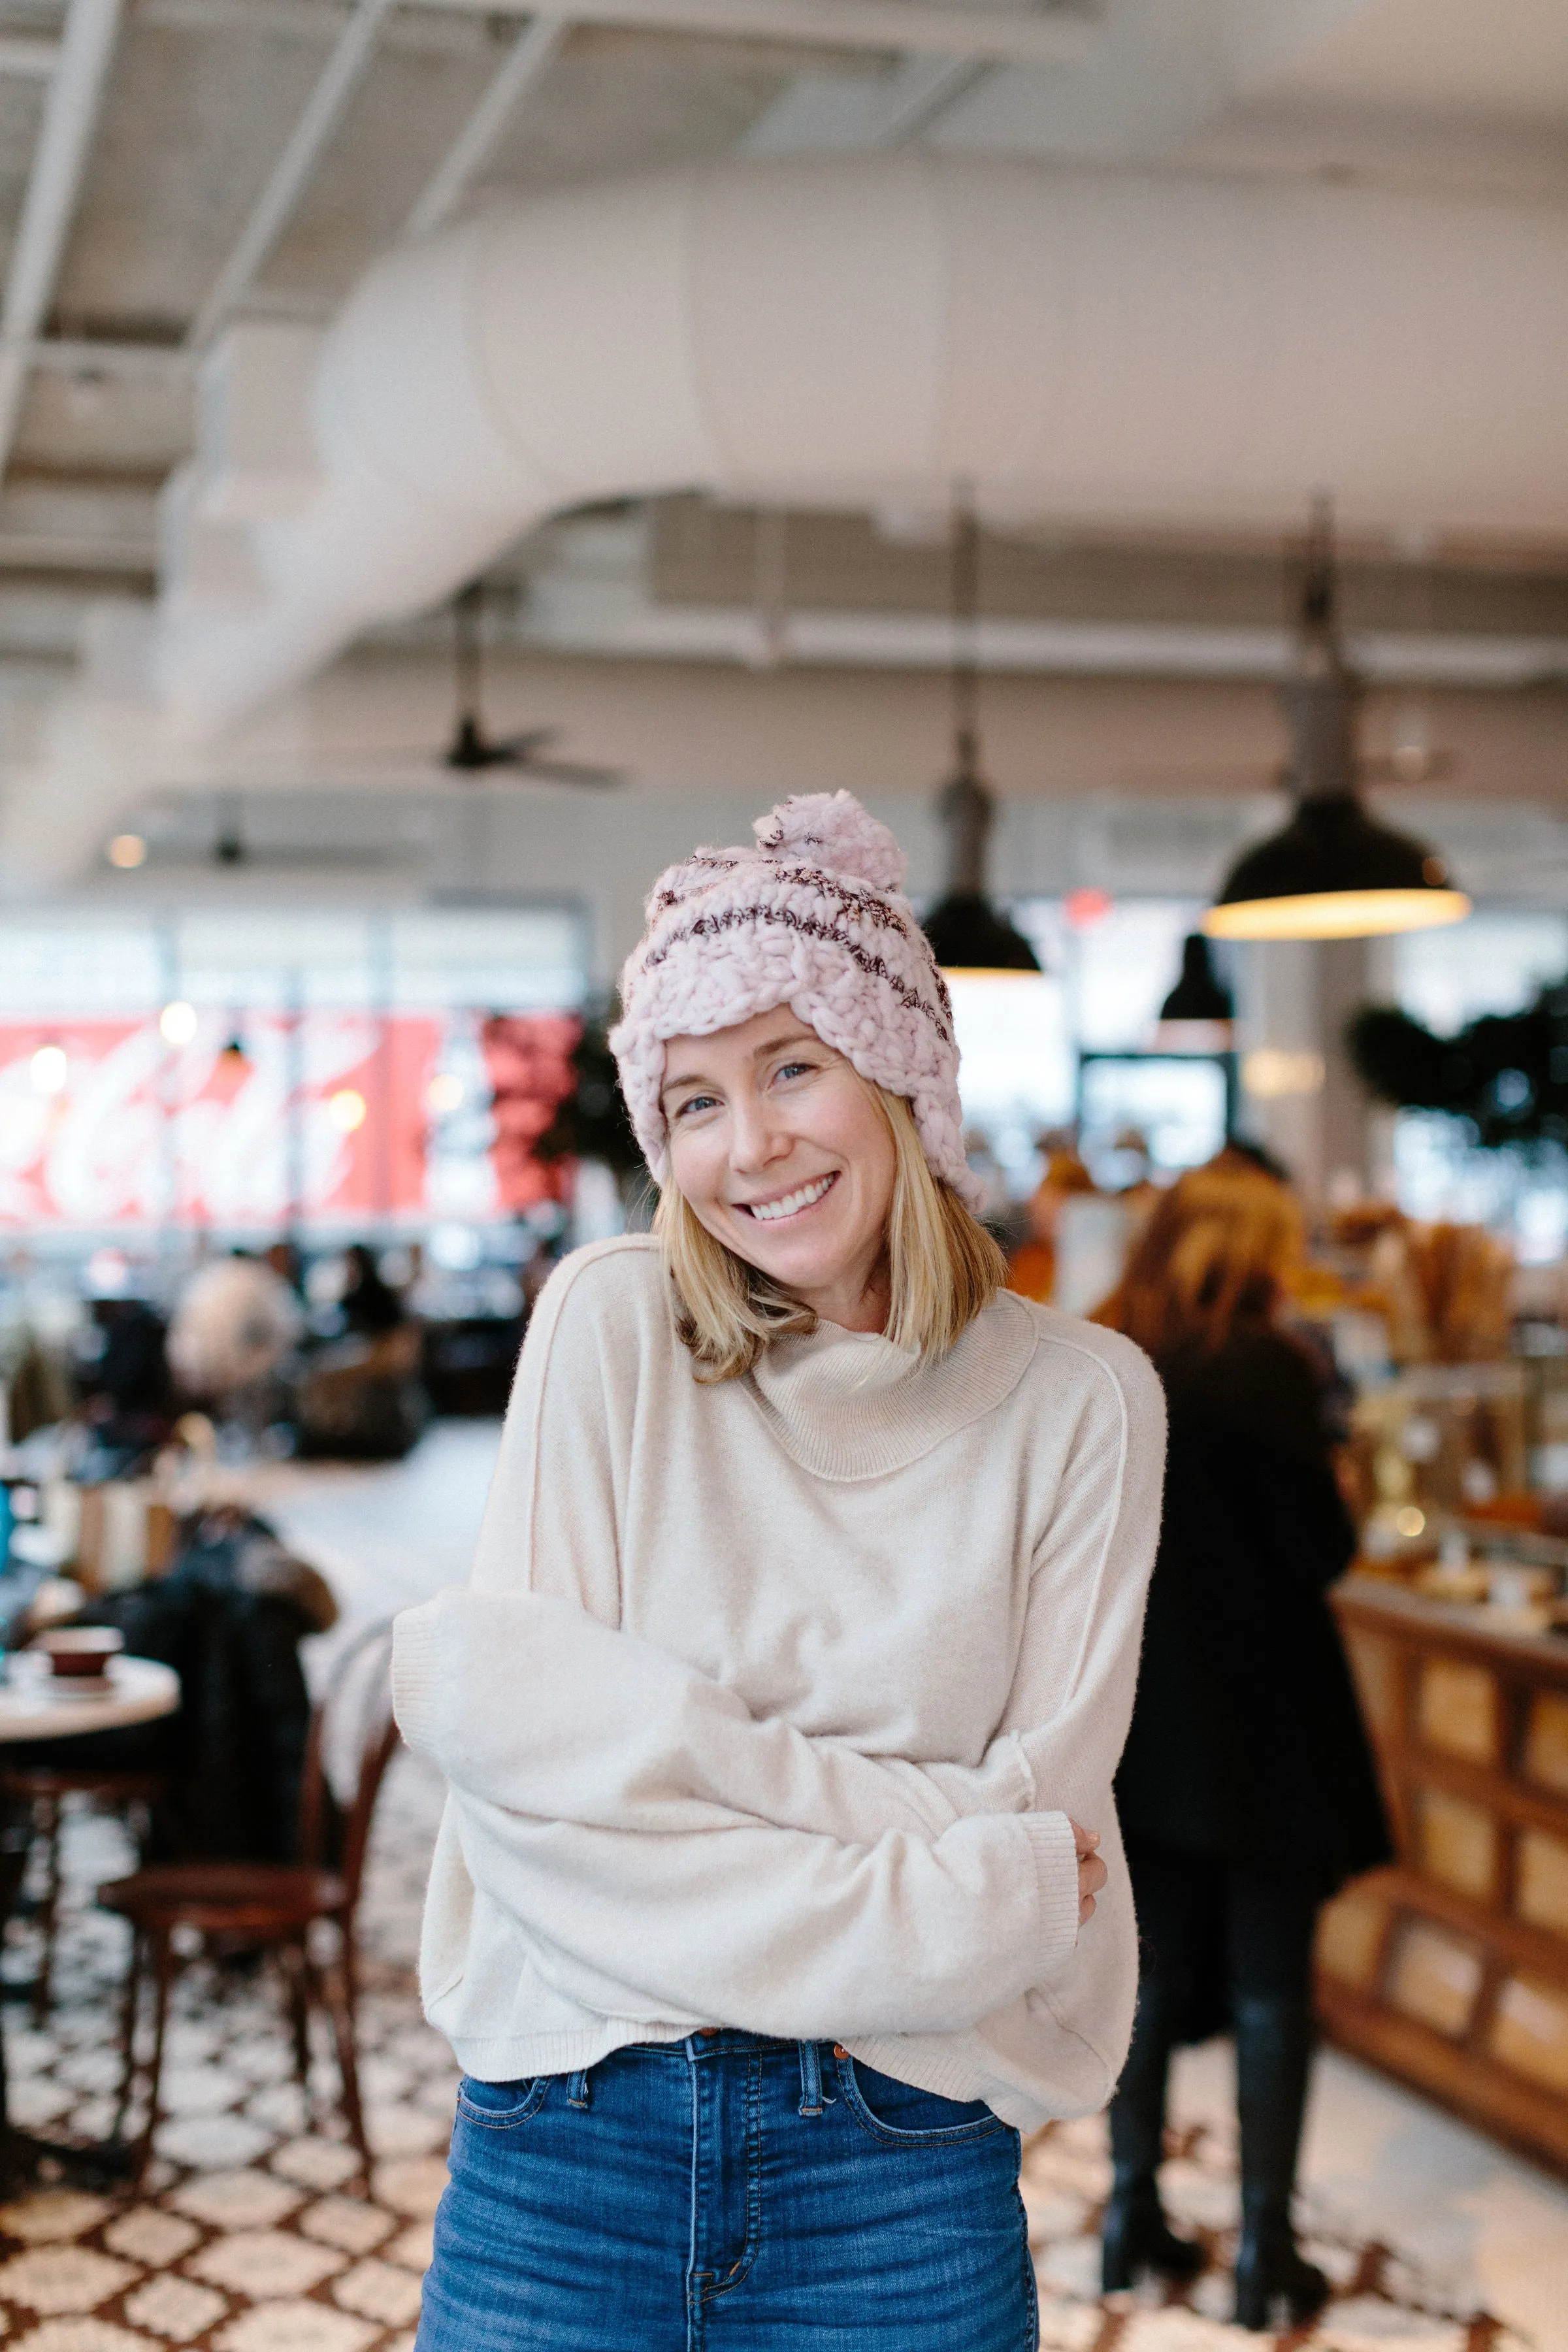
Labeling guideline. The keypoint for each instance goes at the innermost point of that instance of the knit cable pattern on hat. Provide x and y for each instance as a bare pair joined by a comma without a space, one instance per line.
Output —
814,918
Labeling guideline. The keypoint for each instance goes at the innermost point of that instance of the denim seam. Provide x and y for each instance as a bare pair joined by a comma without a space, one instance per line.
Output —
738,2273
945,2135
508,2118
1030,2340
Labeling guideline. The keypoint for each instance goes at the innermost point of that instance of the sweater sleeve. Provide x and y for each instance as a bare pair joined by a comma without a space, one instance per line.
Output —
779,1931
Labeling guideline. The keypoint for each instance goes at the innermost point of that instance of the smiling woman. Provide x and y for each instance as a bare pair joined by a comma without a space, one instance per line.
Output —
800,1651
799,1192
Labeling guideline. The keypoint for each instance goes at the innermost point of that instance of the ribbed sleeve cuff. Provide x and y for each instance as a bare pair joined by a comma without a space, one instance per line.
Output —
415,1636
1055,1852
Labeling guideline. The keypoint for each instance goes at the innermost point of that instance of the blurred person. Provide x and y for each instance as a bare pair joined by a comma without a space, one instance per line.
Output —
234,1322
371,1307
779,1718
1032,1268
1246,1791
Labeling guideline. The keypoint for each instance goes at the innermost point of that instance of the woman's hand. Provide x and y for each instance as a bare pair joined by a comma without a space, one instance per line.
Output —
1091,1872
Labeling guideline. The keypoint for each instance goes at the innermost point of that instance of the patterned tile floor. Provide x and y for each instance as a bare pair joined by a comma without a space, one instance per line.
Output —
251,2235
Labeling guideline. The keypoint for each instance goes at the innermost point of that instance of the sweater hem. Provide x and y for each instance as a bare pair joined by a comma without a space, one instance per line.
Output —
518,2057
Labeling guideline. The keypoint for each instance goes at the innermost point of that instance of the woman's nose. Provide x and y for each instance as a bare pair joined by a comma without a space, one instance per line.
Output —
755,1139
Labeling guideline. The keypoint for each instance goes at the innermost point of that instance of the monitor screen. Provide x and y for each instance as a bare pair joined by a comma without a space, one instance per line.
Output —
1175,1102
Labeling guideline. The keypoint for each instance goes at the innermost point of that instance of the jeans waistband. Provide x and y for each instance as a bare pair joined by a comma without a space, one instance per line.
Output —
715,2042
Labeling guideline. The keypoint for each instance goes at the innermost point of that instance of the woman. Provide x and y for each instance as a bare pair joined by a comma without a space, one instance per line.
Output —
780,1716
1246,1792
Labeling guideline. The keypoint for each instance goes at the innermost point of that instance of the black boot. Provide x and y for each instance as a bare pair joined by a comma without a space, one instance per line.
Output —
1273,2059
1135,2235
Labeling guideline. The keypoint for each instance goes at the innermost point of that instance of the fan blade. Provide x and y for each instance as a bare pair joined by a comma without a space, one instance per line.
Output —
571,772
472,748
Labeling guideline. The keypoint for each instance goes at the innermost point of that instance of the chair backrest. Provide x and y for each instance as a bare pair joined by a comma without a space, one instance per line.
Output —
351,1739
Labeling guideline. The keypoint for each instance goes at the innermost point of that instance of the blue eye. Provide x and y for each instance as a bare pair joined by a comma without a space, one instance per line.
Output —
792,1069
694,1102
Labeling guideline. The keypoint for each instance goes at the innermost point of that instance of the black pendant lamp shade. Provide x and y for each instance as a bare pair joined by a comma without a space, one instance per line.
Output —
1333,873
1200,995
968,935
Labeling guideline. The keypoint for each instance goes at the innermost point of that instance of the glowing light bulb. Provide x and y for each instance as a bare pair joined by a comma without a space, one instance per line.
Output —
49,1069
445,1092
346,1109
177,1023
1085,906
127,850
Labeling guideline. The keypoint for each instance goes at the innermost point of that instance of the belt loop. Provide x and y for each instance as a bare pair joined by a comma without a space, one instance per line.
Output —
810,2078
577,2089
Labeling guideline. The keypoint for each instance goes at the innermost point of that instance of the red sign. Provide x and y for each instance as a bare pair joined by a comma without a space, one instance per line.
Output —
327,1118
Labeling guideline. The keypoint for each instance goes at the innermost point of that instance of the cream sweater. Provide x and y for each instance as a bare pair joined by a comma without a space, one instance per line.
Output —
769,1702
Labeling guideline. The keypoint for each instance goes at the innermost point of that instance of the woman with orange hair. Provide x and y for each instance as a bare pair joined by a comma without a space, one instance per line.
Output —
1247,1790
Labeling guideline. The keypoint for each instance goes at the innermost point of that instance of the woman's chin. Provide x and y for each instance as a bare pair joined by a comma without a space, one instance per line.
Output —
797,1263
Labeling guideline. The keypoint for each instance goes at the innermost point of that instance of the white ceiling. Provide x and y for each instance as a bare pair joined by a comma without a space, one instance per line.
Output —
205,100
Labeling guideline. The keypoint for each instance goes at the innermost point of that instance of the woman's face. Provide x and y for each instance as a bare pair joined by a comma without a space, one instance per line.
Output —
784,1156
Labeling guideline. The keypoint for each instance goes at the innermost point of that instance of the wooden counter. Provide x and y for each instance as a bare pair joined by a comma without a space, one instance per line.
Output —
1450,1968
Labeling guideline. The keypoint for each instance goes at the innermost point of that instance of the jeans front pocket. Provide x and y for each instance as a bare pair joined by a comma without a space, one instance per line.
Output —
902,2116
498,2106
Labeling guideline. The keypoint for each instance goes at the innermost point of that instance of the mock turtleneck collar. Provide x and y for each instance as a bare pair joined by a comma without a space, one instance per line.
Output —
848,1404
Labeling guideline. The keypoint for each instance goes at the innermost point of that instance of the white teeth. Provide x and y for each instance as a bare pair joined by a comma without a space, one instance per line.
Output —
792,1201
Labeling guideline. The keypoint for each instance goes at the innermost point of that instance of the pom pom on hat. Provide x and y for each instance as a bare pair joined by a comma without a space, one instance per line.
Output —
814,918
832,829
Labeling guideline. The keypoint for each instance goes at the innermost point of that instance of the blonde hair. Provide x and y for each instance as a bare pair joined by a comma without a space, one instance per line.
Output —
943,1268
1217,1248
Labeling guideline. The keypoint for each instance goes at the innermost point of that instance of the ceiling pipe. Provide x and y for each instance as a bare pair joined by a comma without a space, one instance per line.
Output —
1050,36
292,174
1095,348
54,184
523,68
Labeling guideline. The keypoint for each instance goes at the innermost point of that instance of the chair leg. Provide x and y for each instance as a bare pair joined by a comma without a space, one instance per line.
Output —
165,1965
46,1818
128,2032
297,1970
340,2006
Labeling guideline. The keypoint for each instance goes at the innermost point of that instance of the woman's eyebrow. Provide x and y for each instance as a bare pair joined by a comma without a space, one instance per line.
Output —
788,1037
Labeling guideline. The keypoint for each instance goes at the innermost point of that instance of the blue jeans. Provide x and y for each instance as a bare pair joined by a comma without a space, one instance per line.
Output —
728,2190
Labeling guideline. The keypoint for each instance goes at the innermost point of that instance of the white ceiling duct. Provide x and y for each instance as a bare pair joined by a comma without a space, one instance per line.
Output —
1099,347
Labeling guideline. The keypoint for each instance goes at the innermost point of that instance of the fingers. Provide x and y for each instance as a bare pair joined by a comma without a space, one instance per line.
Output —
1092,1876
1086,1841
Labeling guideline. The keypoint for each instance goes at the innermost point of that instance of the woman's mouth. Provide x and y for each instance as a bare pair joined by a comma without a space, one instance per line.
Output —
789,1204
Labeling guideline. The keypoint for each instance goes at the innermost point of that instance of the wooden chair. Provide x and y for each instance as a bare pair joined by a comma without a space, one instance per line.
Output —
39,1792
275,1904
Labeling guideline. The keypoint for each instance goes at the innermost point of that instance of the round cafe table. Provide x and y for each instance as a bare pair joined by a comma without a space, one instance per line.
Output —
38,1705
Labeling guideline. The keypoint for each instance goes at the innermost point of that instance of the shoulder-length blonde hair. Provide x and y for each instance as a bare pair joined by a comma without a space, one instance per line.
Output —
1218,1249
942,1267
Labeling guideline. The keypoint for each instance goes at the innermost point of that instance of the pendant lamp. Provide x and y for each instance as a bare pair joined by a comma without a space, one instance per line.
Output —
1333,872
1198,1016
969,936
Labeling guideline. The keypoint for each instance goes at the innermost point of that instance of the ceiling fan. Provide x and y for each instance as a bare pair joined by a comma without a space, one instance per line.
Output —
472,752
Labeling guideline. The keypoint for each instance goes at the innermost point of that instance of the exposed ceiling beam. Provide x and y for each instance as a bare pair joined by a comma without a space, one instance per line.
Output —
54,186
922,94
31,56
525,64
324,108
1057,36
79,355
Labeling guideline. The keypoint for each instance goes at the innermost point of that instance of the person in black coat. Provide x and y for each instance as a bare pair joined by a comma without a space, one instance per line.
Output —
1247,1790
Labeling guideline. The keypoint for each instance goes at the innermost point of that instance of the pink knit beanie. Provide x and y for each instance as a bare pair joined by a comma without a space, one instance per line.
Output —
812,917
